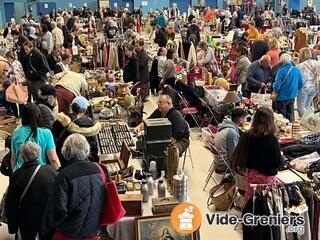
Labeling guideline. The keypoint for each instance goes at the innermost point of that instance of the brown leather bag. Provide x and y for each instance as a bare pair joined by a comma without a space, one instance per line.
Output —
17,93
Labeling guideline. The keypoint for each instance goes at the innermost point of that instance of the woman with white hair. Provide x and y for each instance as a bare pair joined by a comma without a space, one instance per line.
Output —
310,71
75,206
288,83
25,211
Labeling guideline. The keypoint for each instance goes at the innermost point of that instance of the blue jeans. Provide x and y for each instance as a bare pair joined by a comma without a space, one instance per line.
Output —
286,108
305,98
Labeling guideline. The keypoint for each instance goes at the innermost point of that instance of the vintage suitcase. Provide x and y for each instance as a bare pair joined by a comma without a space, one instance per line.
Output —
132,203
157,129
164,205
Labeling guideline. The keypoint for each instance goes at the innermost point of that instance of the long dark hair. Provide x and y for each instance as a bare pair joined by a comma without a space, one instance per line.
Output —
31,116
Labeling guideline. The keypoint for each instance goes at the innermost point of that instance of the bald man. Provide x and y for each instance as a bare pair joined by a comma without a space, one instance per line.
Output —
180,129
258,75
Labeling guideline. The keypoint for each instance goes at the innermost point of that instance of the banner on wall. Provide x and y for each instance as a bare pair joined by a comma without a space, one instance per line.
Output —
294,4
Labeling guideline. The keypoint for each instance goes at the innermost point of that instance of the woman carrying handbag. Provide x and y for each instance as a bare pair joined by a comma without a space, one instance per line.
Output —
27,195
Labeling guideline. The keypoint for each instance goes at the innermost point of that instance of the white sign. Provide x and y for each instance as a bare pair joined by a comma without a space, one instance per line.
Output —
115,5
144,3
46,5
70,5
85,4
127,5
104,4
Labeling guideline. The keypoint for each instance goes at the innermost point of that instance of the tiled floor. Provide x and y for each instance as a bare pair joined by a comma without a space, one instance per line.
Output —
202,159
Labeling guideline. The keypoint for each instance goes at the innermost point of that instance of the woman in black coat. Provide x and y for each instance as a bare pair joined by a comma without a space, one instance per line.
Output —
27,214
131,69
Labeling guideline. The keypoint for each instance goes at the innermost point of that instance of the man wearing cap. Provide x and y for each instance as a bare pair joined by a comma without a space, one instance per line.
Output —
46,102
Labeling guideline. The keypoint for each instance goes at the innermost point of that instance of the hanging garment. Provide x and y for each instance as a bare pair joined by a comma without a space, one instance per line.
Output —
111,57
94,55
260,208
192,57
300,40
138,24
181,51
105,56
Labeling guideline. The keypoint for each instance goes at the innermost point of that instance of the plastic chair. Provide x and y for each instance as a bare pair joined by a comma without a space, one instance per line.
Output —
187,110
186,152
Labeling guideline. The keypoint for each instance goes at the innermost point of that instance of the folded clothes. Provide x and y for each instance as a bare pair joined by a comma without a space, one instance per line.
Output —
298,150
302,163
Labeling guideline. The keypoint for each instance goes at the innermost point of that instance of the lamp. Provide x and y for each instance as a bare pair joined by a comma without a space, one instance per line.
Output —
231,97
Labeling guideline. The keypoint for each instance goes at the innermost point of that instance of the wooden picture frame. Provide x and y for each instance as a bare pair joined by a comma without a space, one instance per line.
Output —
157,227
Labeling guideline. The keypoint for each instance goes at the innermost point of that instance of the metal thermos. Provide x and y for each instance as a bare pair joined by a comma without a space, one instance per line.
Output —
180,186
144,191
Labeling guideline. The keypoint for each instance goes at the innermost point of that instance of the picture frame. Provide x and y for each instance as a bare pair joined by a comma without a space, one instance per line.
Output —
158,227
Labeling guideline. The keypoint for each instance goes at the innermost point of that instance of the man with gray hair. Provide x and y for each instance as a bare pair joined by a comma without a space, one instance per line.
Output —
258,75
288,83
57,35
26,214
179,127
78,194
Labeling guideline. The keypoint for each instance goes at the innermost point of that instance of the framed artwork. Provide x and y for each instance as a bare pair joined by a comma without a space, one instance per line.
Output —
158,227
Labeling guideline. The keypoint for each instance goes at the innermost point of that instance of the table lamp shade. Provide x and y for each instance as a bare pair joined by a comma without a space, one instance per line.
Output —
231,97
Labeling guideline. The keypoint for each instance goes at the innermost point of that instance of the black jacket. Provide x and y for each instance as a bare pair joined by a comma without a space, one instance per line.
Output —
110,31
66,125
75,207
131,70
160,39
70,23
264,154
35,66
143,66
30,214
69,39
194,29
179,127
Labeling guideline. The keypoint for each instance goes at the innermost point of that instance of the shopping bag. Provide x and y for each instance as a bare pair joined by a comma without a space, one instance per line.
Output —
112,210
17,93
311,120
261,98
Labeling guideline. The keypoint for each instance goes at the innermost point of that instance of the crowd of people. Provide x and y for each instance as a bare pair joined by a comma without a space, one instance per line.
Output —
56,129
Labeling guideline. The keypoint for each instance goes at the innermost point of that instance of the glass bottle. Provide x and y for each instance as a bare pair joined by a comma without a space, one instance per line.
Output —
161,189
150,184
144,191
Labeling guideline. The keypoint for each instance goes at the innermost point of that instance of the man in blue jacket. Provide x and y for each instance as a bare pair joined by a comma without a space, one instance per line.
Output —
288,83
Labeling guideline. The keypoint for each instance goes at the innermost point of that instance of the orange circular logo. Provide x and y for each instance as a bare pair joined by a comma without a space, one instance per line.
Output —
186,218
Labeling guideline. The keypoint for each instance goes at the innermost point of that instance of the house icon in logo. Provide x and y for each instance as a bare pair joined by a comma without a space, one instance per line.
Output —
186,219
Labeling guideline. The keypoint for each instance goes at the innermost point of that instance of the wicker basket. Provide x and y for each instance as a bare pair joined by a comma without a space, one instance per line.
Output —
222,195
75,67
8,123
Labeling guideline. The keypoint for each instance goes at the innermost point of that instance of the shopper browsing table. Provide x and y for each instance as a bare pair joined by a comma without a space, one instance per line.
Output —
180,129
